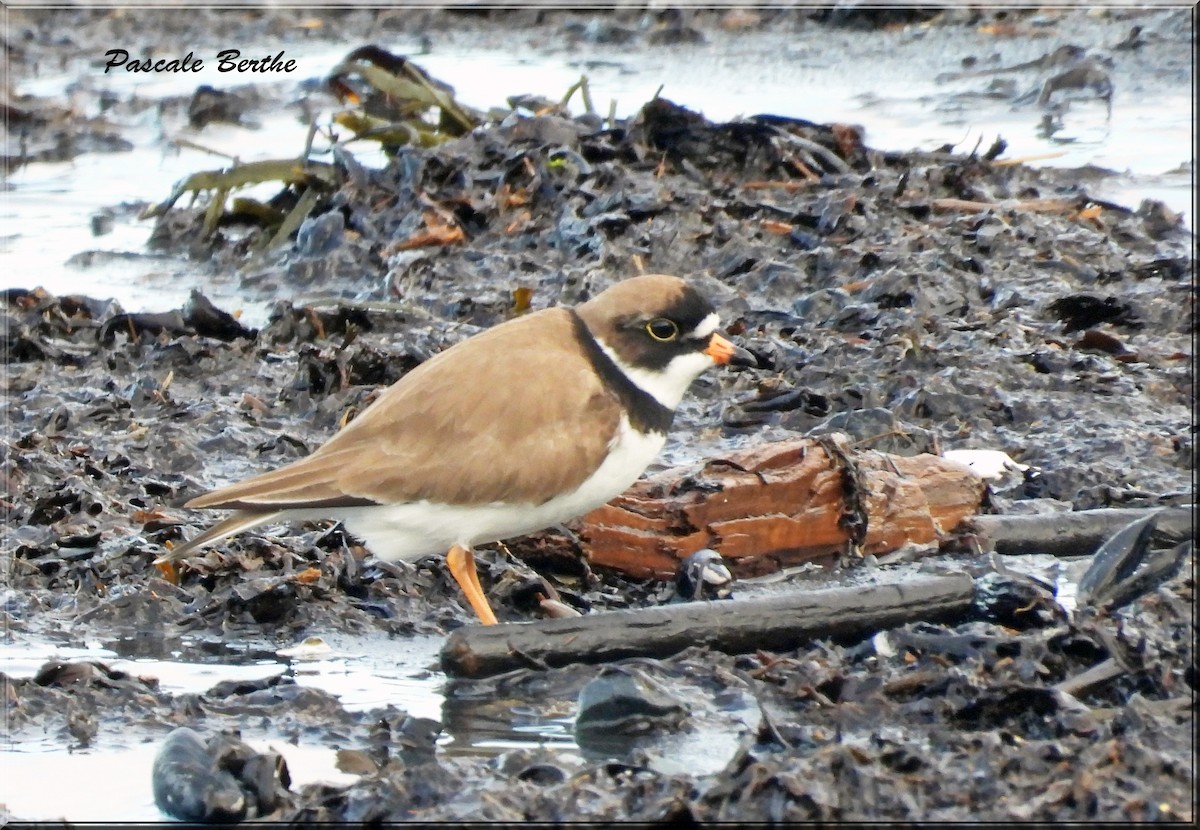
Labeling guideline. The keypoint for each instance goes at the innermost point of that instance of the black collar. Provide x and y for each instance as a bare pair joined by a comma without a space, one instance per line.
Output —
646,413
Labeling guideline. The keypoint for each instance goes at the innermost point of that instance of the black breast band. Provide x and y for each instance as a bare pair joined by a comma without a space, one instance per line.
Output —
645,413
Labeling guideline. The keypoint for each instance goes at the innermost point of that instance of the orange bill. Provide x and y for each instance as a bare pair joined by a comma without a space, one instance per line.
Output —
720,349
462,567
725,353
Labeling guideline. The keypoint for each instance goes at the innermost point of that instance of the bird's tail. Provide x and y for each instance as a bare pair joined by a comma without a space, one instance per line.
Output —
242,520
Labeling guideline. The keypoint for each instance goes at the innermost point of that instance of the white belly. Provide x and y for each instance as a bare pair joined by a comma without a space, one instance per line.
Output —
409,531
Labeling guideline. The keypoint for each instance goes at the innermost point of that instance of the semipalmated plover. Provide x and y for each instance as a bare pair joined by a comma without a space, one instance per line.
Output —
526,425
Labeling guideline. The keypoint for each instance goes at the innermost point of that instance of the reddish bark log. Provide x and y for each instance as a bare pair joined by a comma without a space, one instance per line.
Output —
781,504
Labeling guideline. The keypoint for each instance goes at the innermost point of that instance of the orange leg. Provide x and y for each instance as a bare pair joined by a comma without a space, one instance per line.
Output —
462,567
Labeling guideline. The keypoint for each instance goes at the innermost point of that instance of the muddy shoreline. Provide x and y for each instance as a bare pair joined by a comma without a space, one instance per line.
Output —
946,299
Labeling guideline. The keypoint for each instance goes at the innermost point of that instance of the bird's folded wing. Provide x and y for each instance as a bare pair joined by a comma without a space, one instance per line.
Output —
463,428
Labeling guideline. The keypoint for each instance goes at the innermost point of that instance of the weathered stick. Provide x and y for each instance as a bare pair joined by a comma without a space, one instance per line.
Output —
780,504
1070,534
736,626
1100,673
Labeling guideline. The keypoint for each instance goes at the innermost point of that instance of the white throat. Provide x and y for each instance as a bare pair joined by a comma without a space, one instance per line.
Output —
667,385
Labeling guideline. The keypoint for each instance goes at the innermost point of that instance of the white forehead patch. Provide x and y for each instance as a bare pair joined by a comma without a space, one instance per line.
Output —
706,327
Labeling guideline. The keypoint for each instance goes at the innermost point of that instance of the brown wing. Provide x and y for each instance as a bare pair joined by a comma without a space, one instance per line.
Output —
516,413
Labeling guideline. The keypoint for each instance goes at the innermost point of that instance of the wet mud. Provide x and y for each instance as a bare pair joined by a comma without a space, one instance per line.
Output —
943,297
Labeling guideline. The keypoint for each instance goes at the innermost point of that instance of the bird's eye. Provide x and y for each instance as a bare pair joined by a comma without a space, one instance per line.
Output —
662,329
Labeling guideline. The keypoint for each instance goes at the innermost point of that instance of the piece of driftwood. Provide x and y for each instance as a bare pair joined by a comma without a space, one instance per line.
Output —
1076,533
781,504
737,626
1102,672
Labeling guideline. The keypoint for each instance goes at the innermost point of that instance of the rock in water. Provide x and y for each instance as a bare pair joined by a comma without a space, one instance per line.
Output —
190,785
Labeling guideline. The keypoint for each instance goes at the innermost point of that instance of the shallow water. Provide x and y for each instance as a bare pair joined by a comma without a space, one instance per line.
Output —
119,779
373,672
378,672
47,208
370,673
